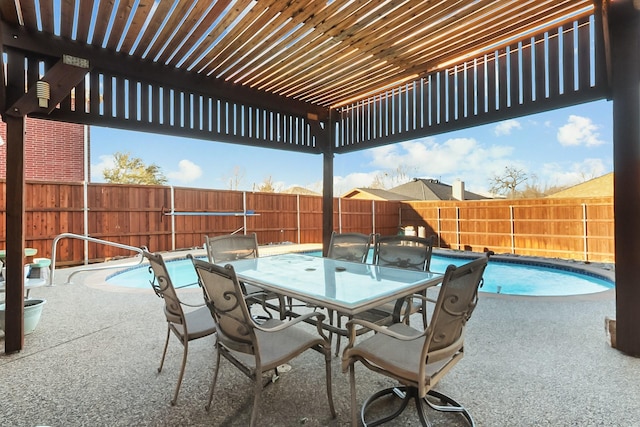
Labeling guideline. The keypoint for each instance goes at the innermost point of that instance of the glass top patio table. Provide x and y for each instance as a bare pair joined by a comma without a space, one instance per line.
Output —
28,252
347,287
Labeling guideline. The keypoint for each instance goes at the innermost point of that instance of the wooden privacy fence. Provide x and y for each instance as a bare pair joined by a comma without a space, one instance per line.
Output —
571,228
167,218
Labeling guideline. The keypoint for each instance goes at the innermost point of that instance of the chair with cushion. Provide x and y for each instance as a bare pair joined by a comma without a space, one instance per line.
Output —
231,247
253,348
418,359
185,325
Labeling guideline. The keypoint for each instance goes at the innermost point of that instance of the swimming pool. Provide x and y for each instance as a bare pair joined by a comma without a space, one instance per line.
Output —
511,277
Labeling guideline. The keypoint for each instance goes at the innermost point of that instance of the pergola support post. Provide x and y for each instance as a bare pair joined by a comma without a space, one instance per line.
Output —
327,200
324,134
624,30
14,313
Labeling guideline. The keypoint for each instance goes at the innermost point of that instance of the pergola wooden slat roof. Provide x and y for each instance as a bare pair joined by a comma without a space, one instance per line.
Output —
323,77
313,51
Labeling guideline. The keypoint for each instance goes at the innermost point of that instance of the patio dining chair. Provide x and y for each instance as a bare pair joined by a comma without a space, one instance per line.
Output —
418,359
231,247
352,247
251,347
185,325
410,252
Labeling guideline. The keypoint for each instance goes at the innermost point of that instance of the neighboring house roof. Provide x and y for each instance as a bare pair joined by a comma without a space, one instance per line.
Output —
597,187
373,194
417,189
430,189
300,190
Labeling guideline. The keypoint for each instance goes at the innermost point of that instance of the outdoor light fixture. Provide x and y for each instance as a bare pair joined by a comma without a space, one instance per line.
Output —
75,61
43,93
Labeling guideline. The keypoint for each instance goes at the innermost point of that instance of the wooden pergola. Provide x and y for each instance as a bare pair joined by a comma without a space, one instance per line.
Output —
320,77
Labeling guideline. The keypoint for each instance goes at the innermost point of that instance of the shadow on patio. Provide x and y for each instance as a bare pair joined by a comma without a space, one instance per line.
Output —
93,361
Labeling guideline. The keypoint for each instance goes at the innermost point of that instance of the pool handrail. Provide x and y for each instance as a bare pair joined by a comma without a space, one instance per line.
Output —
94,240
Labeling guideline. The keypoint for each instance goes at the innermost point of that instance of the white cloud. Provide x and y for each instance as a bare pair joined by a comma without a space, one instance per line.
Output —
579,131
342,184
572,174
457,158
505,127
106,162
188,171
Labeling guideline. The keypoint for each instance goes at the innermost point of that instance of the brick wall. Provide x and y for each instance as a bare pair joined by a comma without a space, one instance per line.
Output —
54,151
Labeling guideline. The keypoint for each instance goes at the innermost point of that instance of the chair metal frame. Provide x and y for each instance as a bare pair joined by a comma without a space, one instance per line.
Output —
186,326
418,359
255,348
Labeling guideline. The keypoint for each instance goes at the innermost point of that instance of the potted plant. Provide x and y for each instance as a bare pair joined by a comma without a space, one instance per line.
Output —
32,313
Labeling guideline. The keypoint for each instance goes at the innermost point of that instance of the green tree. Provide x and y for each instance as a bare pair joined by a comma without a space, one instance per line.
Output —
131,170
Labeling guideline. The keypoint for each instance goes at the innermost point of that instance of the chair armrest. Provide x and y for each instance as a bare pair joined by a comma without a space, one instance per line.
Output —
377,328
202,304
254,294
424,298
191,305
292,322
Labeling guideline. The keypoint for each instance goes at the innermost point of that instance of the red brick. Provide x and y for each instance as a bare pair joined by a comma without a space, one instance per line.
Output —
54,151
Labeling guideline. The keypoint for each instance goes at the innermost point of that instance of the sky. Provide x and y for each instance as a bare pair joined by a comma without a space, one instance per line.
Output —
563,147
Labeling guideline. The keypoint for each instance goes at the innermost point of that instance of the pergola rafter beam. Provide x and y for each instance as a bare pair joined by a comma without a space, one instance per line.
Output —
125,65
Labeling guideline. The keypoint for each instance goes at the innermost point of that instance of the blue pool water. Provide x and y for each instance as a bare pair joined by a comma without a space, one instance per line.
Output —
514,278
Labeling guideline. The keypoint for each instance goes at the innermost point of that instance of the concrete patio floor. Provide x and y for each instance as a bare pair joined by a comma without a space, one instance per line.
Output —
529,361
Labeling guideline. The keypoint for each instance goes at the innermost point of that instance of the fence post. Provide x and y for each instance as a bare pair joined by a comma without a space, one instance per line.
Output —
584,232
513,230
339,215
173,219
298,215
458,226
373,215
438,226
244,212
85,194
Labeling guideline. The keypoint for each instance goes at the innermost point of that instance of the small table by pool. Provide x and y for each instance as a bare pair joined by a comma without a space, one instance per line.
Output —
29,253
28,285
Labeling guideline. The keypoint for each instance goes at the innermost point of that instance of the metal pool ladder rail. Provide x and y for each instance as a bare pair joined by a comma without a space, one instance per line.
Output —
89,239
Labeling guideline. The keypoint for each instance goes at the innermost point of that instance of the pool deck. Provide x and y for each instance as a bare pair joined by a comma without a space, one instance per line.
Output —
529,361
